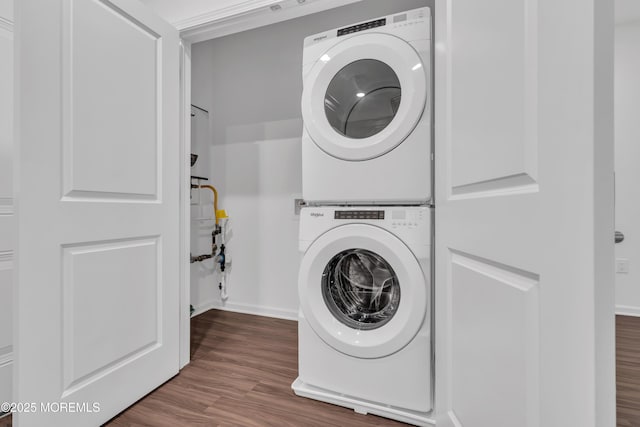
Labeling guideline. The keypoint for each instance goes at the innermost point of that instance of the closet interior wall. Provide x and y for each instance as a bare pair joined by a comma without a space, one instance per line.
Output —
251,84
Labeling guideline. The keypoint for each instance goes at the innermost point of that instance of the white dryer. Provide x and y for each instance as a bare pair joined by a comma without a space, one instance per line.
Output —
366,106
364,323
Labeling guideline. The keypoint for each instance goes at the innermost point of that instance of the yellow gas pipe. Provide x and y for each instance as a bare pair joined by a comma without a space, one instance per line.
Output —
218,213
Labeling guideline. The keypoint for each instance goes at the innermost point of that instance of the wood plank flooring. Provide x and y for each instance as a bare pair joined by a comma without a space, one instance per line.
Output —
242,368
628,371
240,374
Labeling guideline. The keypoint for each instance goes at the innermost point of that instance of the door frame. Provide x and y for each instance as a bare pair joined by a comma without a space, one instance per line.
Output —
223,22
216,24
185,208
208,26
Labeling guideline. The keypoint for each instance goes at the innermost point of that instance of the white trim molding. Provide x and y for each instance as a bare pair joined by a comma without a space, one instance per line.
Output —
230,12
248,15
626,310
185,203
256,310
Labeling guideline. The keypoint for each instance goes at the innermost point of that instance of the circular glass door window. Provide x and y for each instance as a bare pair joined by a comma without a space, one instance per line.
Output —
362,98
360,289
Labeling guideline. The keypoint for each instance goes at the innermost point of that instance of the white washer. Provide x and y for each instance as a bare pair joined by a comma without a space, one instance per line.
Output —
364,323
366,106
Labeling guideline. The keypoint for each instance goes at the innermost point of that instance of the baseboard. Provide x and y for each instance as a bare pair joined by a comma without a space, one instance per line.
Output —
277,313
202,308
626,310
448,419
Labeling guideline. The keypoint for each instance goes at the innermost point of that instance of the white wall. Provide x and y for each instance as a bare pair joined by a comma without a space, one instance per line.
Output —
6,197
627,146
251,83
627,11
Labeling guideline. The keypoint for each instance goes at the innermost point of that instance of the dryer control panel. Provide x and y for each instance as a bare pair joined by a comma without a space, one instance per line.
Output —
361,27
358,214
410,25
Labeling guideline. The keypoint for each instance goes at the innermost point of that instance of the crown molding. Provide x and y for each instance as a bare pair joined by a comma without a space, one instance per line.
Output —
217,24
225,13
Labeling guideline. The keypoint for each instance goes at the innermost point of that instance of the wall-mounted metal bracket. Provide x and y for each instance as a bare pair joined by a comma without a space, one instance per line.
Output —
298,205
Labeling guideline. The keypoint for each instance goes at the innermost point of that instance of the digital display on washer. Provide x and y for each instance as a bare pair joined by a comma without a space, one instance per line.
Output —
359,215
362,27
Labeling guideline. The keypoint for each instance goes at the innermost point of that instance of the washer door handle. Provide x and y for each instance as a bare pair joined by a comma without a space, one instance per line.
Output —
619,236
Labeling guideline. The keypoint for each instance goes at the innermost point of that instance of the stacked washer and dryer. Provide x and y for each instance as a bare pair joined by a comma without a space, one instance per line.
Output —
364,285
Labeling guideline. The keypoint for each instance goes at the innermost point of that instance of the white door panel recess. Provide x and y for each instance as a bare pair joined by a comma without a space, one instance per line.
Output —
524,225
98,260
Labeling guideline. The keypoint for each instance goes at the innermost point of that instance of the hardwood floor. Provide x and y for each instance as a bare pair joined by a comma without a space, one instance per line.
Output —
242,368
240,374
628,370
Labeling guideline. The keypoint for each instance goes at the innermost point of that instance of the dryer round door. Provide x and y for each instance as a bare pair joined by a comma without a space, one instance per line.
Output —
362,291
364,96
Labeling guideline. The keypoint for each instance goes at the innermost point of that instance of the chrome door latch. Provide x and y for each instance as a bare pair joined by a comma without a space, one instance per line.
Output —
619,237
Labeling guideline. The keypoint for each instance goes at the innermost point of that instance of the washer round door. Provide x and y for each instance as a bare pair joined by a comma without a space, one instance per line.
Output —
362,291
364,96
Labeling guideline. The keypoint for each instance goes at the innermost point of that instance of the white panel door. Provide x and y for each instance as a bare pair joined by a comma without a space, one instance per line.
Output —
7,220
98,169
524,224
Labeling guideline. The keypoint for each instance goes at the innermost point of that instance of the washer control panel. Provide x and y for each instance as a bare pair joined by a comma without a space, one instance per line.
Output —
412,224
410,218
